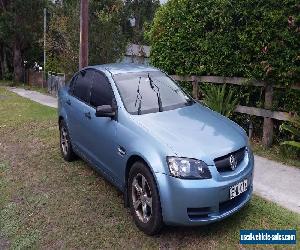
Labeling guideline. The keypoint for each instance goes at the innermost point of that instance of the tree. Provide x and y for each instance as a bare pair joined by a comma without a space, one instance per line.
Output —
107,42
247,38
63,37
20,31
142,12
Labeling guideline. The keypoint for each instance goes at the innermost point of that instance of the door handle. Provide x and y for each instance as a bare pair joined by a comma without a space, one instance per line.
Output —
88,115
68,102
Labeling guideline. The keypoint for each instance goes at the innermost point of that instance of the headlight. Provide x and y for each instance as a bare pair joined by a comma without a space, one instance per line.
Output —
188,168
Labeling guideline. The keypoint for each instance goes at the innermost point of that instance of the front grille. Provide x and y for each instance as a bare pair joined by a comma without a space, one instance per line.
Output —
223,163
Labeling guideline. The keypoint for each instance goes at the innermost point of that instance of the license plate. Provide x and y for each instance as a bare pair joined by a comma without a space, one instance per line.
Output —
238,189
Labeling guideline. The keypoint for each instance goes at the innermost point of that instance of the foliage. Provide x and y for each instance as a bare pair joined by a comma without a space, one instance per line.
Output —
280,153
63,37
294,129
20,33
220,99
246,38
106,40
286,100
53,64
143,12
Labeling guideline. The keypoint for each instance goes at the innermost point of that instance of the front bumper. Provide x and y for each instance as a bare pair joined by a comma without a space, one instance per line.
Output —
200,202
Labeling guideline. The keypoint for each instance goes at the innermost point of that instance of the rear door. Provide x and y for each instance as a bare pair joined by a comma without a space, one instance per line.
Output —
78,105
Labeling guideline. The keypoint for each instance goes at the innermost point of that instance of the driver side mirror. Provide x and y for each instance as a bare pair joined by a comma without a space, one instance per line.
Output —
105,111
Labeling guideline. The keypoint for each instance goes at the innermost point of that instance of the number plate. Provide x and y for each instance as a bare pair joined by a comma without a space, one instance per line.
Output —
238,189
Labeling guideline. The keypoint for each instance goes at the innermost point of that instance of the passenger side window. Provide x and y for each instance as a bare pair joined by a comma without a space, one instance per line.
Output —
72,84
101,93
82,86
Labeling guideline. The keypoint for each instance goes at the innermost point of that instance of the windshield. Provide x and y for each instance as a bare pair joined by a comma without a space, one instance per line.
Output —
149,92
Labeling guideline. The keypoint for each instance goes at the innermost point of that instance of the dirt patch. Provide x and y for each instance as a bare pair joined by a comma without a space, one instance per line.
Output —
4,243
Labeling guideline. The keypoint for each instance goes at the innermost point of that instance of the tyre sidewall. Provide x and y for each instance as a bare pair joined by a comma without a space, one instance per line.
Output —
70,155
155,223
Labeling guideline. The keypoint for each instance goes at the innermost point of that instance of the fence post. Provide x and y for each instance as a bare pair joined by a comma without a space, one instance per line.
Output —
268,122
195,87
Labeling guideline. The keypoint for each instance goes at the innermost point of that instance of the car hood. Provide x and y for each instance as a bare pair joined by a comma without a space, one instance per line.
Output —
194,131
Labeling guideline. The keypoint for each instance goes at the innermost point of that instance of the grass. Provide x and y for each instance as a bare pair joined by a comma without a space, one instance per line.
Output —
24,85
275,153
46,202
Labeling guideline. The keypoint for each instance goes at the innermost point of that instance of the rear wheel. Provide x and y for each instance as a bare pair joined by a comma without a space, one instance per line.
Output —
65,142
144,199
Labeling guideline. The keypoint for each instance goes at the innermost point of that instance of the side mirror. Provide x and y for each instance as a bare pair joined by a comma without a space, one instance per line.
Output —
105,111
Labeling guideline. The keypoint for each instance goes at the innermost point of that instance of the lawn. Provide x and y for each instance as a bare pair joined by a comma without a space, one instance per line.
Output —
25,86
274,153
48,203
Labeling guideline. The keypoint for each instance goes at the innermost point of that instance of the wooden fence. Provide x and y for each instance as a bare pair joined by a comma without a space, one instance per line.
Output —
265,112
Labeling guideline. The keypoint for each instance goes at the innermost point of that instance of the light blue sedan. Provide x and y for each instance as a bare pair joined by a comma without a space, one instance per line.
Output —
176,161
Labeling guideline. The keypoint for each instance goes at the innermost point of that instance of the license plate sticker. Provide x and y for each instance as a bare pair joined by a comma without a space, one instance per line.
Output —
238,189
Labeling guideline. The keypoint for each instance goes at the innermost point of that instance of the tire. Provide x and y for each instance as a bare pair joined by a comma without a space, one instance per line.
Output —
65,142
144,199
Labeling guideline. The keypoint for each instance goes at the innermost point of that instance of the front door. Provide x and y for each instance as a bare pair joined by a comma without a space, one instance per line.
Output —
101,131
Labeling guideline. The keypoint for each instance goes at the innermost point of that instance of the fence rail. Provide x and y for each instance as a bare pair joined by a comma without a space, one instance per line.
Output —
230,80
265,112
277,115
54,82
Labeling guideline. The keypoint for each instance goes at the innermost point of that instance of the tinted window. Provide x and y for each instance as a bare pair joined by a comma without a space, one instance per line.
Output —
147,92
72,84
101,91
82,86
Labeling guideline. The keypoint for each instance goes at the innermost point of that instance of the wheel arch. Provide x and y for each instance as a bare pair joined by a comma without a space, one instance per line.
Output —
131,160
60,118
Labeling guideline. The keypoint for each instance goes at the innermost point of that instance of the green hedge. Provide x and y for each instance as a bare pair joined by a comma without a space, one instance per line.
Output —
247,38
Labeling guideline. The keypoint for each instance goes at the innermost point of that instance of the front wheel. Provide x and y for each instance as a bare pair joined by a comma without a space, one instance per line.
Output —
144,199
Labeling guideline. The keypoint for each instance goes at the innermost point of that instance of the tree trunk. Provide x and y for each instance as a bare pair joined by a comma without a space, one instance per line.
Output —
4,64
17,62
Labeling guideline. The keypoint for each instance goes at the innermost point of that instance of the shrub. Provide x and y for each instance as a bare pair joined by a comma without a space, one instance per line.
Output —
246,38
220,99
294,129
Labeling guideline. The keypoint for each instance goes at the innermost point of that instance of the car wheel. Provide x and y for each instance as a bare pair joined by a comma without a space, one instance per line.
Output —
65,142
144,199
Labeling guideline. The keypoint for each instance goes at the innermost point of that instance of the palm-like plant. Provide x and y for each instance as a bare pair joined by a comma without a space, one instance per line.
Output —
220,99
294,129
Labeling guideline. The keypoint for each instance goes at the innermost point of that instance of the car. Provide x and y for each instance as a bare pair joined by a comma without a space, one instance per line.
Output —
176,161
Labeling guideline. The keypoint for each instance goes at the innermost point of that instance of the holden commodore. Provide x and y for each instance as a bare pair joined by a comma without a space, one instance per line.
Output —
176,161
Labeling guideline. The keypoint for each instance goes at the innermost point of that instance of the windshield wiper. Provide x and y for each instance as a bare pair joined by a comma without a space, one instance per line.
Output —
155,88
189,101
139,98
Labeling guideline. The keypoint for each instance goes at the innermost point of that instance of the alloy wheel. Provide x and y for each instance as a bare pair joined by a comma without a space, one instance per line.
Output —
64,141
141,198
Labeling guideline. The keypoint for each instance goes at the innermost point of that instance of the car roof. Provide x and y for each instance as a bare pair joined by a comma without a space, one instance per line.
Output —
120,68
